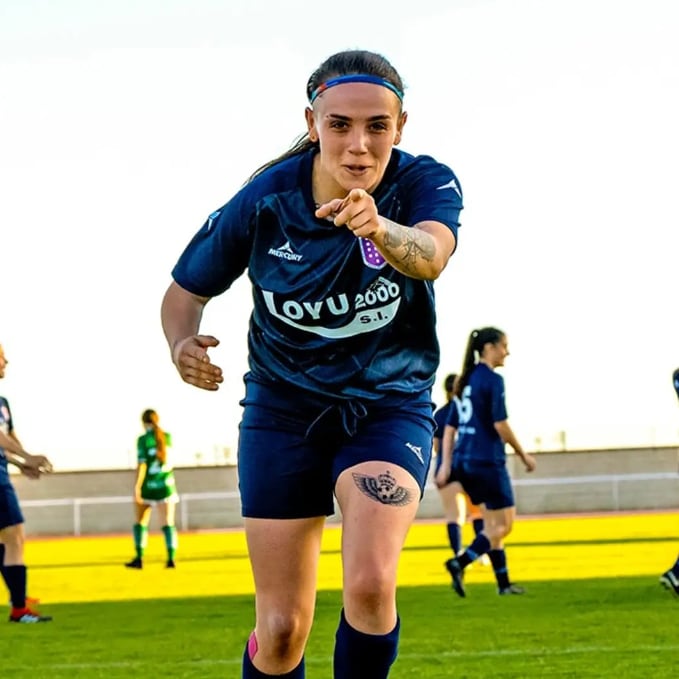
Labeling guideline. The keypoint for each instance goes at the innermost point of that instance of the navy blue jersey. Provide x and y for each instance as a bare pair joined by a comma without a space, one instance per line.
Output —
329,314
6,426
481,406
447,414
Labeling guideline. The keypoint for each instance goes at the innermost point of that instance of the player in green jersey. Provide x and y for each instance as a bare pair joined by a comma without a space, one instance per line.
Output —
155,485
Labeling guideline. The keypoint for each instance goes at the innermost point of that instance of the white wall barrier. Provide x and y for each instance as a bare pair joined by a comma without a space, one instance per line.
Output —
214,510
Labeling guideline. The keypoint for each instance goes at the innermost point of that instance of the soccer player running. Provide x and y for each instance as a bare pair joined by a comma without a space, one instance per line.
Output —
342,237
155,485
479,459
12,536
670,579
456,503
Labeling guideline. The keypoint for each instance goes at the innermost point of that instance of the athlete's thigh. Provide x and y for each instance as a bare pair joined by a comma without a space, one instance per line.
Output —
378,501
284,557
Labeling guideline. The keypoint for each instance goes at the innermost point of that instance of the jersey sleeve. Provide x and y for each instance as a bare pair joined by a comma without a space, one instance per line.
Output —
440,417
497,399
453,416
219,252
434,194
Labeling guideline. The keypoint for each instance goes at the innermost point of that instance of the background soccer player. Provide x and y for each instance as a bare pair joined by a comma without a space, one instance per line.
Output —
342,238
155,485
480,458
12,564
456,503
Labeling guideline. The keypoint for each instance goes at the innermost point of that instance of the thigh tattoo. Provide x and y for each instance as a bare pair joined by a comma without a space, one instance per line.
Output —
383,488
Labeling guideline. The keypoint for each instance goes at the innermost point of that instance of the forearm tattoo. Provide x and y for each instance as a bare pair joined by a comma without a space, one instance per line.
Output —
383,488
409,247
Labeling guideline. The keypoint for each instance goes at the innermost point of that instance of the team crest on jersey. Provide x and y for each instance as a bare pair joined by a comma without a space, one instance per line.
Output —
371,255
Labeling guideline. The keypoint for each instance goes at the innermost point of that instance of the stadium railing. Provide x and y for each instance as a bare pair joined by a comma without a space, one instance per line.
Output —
222,509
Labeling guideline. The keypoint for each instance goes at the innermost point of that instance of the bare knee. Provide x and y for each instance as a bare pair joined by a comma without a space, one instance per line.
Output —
497,533
369,597
13,539
281,637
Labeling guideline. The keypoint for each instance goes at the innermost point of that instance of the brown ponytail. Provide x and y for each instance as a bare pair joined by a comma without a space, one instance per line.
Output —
150,417
477,340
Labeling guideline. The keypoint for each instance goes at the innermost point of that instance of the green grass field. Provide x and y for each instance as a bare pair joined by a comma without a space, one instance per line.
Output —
593,606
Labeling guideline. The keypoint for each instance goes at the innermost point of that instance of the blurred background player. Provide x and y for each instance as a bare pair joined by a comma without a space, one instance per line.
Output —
155,485
456,503
12,537
480,462
670,579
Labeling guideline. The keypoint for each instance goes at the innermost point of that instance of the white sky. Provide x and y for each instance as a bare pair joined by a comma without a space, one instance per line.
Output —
124,123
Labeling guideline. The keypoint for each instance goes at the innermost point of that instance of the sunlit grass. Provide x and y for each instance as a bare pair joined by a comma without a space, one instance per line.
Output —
593,607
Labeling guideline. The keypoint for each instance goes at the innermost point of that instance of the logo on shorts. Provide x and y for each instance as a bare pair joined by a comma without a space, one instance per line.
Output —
285,252
417,450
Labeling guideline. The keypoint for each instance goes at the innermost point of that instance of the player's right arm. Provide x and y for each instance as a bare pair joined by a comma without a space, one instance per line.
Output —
181,313
30,465
447,444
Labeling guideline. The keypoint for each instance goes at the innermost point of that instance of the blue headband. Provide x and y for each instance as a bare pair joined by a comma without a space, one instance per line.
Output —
355,78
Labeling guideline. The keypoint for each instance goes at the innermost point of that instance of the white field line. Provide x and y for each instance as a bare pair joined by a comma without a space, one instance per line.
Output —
491,653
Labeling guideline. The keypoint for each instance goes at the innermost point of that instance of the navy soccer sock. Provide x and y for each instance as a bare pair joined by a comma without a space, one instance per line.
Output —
15,577
477,548
478,526
364,656
675,568
454,537
499,560
251,672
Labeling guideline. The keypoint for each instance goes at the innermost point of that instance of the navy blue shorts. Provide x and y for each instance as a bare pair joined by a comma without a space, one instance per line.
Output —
293,446
10,512
486,484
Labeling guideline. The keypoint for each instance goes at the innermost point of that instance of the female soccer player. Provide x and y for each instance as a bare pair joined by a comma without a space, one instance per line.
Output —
480,458
12,537
155,485
456,503
342,238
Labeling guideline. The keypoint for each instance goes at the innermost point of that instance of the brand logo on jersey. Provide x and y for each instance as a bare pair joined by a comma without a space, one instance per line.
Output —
371,255
211,218
452,184
415,449
285,252
367,311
